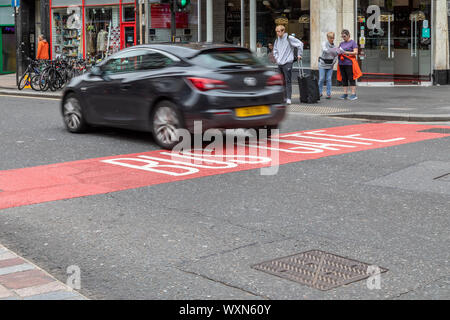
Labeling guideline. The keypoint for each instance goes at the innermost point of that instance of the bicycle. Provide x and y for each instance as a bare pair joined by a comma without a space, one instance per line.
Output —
52,74
51,78
31,71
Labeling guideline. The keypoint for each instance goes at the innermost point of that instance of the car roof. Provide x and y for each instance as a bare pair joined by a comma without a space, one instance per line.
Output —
187,50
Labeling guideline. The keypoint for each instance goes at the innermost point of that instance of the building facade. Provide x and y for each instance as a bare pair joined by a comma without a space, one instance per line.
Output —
400,41
7,38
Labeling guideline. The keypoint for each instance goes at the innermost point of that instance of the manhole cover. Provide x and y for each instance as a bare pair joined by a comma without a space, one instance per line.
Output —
437,130
318,269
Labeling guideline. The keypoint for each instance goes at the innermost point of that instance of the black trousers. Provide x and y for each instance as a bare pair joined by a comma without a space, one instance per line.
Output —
286,71
347,76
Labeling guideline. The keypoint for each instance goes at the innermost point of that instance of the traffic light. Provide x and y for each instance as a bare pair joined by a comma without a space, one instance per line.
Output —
181,4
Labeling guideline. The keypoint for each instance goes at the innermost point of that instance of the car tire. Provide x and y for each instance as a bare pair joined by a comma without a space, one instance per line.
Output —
165,120
73,114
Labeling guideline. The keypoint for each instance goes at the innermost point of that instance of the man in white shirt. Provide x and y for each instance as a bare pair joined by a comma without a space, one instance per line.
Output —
283,52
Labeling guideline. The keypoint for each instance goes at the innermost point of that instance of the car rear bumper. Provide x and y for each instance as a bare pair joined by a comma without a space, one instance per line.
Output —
227,119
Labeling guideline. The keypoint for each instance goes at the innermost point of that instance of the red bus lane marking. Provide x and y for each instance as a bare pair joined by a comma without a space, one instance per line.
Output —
67,180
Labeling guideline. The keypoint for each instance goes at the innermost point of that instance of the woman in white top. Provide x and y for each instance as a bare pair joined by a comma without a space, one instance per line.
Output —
326,62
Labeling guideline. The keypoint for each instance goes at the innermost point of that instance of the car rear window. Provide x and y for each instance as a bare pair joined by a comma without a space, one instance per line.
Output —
227,59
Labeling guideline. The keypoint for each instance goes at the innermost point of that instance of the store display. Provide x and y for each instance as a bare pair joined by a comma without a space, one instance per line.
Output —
102,41
66,41
114,40
103,32
99,28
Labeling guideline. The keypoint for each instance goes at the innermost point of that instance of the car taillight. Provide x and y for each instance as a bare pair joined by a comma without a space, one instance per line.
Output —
276,80
204,84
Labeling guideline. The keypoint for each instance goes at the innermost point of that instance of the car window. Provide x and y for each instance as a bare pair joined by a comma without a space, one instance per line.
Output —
122,62
227,59
153,60
136,60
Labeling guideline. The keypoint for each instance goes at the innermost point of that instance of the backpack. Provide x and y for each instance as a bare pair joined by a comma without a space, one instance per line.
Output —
292,47
295,49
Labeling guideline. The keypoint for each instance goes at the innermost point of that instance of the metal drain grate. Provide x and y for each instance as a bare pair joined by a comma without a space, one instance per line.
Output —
315,109
438,130
317,269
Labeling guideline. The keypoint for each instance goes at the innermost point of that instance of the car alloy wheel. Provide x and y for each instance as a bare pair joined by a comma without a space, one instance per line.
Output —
165,122
73,116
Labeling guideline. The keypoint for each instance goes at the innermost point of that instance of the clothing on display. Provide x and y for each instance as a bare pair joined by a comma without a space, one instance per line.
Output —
102,41
91,40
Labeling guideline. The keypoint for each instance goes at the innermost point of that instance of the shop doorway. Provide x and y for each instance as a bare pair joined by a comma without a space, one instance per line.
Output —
128,35
7,49
395,39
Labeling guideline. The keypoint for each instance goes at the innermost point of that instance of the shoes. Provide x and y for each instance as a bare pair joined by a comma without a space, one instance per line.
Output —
328,97
344,97
353,97
288,101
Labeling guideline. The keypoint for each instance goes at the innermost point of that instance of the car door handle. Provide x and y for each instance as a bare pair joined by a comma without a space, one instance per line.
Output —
125,87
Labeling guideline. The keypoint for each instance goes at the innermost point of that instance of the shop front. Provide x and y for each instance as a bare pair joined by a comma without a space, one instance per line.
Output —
293,14
395,39
160,22
91,29
7,38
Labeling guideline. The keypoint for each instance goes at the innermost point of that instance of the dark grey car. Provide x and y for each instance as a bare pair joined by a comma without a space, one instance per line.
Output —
160,88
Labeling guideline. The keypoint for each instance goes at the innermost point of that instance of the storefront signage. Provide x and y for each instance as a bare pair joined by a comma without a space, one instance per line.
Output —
161,17
374,21
15,3
362,41
426,33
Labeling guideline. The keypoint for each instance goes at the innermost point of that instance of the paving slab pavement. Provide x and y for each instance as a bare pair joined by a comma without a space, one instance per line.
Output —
397,103
412,104
8,81
22,280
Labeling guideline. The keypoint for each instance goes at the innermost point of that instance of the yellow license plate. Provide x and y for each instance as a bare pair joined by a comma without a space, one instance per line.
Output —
252,111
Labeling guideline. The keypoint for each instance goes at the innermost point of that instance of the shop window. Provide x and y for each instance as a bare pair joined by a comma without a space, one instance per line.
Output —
8,49
160,22
233,22
448,15
67,32
6,14
66,3
128,13
293,14
102,32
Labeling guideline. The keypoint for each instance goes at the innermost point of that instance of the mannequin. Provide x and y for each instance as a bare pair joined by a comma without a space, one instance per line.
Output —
102,41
